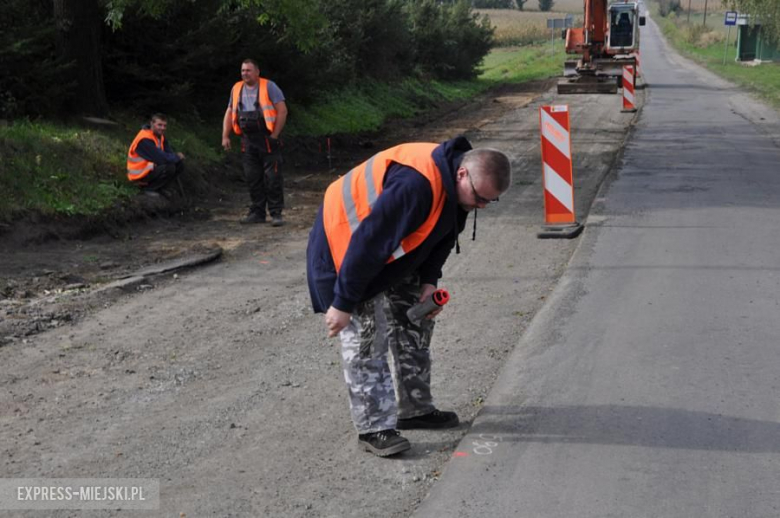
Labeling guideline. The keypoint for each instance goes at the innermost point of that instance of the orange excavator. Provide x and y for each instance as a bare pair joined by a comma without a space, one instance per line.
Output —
606,42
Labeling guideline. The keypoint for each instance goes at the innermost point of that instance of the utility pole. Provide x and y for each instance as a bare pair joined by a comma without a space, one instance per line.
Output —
689,12
705,13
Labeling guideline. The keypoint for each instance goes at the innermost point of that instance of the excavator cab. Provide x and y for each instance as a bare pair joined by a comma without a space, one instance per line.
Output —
624,22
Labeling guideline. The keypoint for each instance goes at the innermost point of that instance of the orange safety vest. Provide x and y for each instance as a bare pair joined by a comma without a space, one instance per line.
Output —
137,166
269,111
349,200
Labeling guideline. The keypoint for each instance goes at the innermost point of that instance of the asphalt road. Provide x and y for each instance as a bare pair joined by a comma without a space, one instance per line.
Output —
648,385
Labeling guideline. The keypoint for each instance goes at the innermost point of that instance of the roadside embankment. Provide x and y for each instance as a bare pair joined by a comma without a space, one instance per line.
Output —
67,179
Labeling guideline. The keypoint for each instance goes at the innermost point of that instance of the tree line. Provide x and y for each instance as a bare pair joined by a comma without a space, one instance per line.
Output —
544,5
89,57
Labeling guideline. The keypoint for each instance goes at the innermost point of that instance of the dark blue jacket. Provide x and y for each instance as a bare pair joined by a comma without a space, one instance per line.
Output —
148,150
402,208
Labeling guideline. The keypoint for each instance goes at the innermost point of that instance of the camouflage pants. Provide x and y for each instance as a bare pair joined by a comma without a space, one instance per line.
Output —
377,396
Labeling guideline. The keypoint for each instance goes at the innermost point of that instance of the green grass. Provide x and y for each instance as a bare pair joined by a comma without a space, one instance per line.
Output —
55,169
518,65
367,108
706,46
362,109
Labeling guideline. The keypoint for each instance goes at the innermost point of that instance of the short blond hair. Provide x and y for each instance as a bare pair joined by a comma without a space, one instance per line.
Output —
491,164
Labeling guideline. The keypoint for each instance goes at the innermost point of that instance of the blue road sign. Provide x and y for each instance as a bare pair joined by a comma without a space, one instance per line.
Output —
731,18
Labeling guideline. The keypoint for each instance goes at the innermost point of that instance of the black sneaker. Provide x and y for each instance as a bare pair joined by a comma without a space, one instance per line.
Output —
384,443
252,217
433,421
277,221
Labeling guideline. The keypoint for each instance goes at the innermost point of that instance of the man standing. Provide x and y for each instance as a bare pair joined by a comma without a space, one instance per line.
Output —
152,163
377,247
257,111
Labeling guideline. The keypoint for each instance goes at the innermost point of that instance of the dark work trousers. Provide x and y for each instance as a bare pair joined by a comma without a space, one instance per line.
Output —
262,169
161,176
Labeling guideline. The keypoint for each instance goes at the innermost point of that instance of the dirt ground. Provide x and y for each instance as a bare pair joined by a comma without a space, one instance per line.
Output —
221,383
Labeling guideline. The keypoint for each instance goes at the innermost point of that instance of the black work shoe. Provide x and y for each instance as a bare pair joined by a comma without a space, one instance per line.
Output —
252,217
384,443
277,221
433,421
166,193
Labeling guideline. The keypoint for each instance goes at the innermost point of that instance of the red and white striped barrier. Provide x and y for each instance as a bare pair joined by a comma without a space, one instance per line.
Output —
629,86
638,68
557,176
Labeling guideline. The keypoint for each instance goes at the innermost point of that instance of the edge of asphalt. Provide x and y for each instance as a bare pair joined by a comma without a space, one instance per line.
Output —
538,331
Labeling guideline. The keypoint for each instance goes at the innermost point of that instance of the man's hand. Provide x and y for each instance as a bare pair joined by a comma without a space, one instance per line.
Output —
427,291
273,145
336,320
180,155
226,143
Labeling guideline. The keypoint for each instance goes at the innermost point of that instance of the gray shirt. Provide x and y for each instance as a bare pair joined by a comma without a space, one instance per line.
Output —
249,98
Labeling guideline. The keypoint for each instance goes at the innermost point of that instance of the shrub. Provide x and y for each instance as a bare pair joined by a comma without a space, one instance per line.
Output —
493,4
709,38
546,5
31,82
189,66
449,41
666,7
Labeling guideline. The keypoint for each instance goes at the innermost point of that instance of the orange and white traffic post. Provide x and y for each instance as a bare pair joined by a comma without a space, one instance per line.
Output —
629,87
557,174
638,68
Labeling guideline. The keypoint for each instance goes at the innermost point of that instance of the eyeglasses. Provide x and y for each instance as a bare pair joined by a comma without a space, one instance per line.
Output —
479,199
